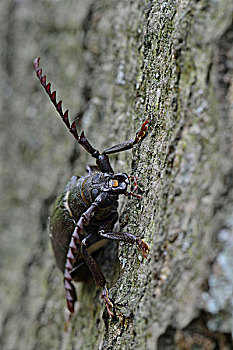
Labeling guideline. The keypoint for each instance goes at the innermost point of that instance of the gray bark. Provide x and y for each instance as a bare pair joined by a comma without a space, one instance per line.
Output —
115,64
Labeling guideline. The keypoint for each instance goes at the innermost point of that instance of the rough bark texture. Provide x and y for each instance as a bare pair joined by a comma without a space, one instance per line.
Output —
114,63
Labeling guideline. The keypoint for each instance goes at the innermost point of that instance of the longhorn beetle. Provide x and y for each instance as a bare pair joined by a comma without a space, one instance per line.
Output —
84,214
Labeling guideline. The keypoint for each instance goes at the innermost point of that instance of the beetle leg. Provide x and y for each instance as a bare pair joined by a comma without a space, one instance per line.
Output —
121,236
128,238
97,274
141,134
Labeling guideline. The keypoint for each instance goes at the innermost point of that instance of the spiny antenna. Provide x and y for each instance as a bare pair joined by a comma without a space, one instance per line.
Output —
52,95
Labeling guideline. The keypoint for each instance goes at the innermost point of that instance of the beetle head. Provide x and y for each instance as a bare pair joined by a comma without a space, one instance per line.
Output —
118,183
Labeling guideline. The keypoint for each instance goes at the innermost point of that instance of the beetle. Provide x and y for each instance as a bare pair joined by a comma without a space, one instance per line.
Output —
84,214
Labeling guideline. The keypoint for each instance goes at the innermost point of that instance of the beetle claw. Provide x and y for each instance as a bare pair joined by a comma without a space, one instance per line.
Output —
142,132
143,246
107,301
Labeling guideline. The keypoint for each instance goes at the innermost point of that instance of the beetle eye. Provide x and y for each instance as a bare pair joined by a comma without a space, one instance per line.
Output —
113,183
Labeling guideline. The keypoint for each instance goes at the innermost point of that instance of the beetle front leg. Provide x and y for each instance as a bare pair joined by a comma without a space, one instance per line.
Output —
141,134
127,238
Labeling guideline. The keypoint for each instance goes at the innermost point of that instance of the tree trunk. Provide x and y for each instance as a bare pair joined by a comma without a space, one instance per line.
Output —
115,64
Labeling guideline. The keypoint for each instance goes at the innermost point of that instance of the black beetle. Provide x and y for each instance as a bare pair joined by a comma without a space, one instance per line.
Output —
85,213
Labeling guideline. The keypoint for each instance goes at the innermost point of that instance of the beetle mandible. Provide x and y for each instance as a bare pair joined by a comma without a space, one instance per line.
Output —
86,211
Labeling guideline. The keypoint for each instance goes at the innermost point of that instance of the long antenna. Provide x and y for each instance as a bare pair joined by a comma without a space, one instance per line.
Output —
52,95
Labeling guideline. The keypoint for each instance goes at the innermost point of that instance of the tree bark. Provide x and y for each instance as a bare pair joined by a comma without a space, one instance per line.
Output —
115,64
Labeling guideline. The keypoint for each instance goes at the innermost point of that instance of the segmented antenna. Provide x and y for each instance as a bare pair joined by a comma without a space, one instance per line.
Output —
70,260
52,95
